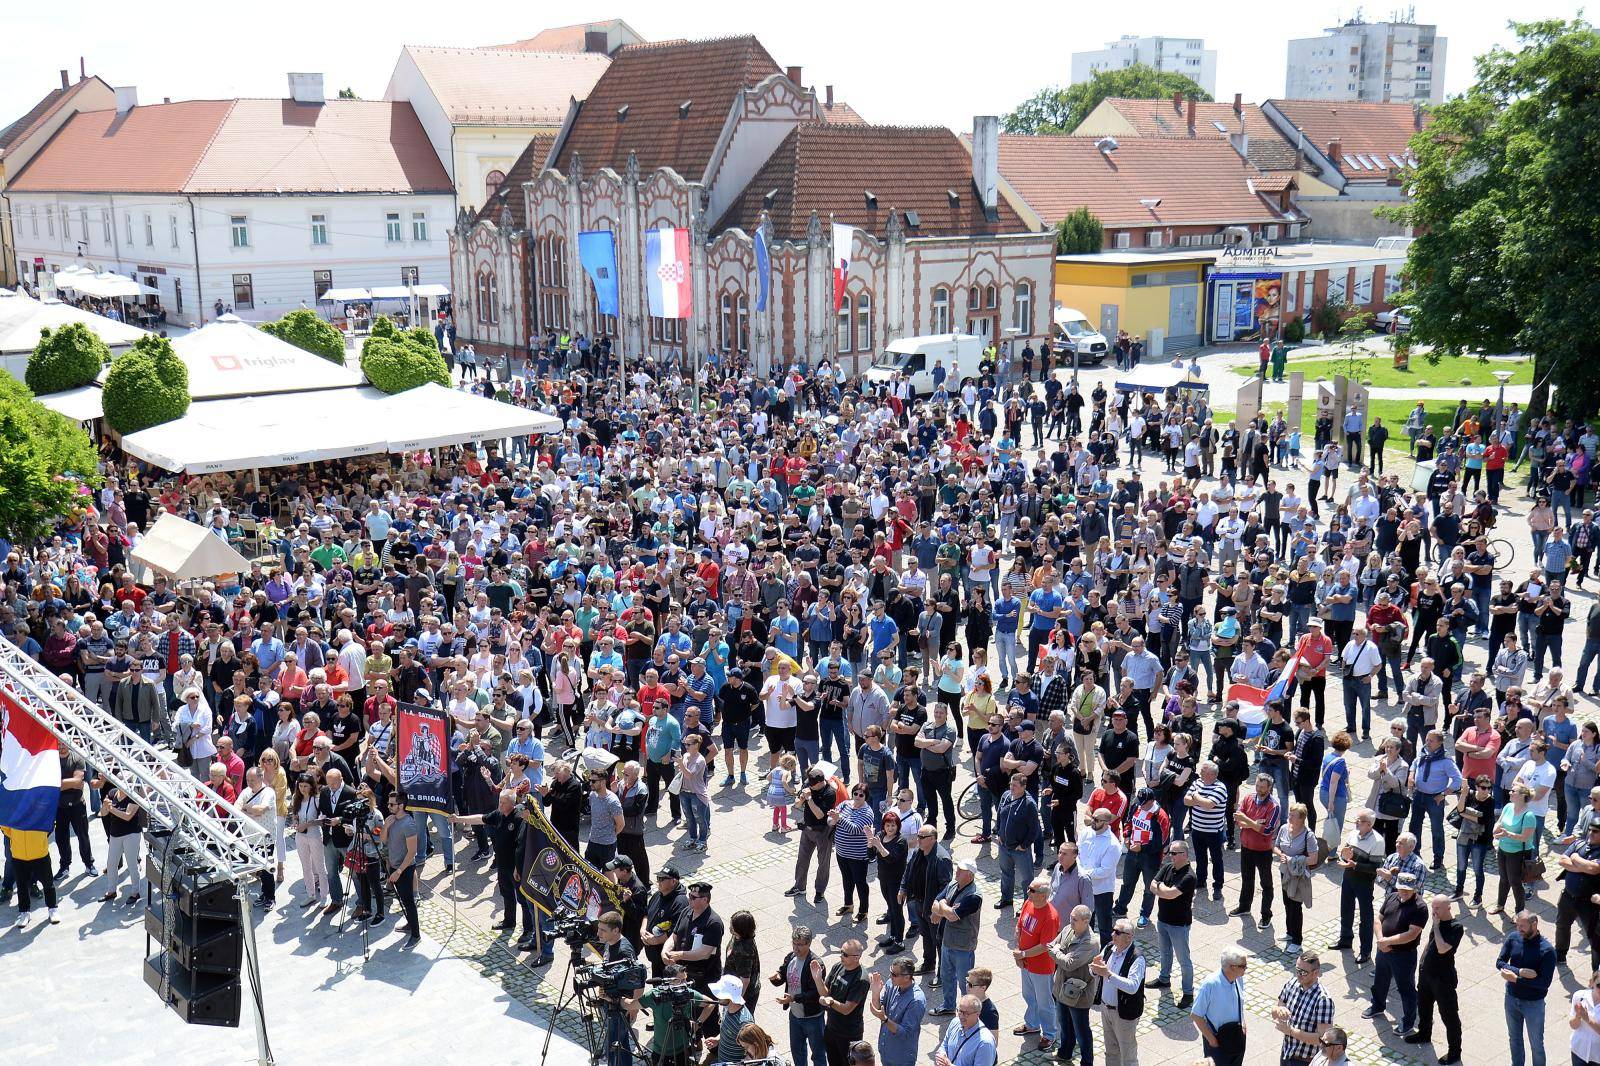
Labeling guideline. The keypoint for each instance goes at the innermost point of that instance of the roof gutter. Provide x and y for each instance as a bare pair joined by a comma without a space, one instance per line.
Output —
199,282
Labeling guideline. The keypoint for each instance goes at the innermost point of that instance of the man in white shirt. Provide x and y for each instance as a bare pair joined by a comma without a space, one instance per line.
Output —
1121,971
1099,856
1361,660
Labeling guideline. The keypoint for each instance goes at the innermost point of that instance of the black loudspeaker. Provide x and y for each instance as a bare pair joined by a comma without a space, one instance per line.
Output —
199,997
197,928
198,943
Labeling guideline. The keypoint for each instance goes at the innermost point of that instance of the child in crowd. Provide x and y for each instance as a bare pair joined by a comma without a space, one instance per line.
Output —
781,785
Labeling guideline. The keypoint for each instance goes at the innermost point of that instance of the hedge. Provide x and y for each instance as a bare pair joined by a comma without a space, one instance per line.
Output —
393,365
306,331
67,358
147,386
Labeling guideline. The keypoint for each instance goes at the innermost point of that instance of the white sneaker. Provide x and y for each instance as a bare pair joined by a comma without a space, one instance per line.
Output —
1291,949
53,919
22,920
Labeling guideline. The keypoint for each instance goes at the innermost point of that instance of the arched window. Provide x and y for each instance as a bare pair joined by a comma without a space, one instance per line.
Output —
941,310
974,299
550,268
864,322
488,298
846,310
1022,309
991,298
492,182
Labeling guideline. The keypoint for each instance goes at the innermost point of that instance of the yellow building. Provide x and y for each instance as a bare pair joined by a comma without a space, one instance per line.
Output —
1139,292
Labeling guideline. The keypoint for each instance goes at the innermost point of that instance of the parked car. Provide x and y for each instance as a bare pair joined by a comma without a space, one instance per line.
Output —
1395,320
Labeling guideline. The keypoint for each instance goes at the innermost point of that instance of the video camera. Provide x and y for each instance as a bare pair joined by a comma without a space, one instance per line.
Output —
616,980
575,929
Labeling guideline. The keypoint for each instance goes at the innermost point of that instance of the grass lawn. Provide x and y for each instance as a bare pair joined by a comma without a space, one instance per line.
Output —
1450,372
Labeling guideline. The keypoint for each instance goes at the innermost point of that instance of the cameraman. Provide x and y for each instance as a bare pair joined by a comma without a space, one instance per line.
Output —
614,947
673,1009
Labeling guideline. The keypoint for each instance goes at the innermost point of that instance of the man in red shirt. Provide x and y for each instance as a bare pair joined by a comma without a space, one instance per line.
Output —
1494,465
1314,649
1037,927
709,572
652,691
1258,818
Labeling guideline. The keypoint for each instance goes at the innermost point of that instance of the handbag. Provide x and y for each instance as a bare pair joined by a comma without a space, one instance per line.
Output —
1074,987
1394,804
1533,871
1230,1039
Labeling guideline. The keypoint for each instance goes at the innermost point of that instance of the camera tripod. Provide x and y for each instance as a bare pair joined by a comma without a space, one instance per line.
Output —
585,1009
365,834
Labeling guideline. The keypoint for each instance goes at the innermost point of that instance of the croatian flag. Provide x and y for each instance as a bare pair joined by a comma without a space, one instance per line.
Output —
30,770
843,237
666,273
1253,701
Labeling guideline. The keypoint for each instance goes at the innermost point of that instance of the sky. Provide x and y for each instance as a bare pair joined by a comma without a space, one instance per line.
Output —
929,65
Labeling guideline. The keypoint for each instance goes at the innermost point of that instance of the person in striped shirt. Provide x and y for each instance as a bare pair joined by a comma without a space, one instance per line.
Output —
1207,802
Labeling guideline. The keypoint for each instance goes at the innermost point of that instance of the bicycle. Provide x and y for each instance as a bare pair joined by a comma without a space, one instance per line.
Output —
1503,551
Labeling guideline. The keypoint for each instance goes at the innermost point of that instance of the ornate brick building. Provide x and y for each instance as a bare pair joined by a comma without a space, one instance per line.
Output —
712,136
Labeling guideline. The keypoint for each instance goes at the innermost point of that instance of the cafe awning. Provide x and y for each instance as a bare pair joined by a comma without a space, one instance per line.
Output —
82,404
183,550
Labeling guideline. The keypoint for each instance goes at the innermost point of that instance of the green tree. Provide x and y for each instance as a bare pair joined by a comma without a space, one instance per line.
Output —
1080,233
395,360
304,330
45,460
146,386
66,358
1060,110
348,93
1505,201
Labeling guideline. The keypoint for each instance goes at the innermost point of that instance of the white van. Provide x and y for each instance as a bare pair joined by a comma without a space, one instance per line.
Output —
916,356
1072,332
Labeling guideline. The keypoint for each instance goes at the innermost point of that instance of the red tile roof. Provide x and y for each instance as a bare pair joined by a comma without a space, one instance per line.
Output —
1199,182
53,101
240,146
1368,134
1159,118
527,167
829,169
507,87
651,81
560,38
149,149
840,114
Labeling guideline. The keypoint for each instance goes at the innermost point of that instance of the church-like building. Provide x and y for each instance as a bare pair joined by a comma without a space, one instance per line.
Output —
714,137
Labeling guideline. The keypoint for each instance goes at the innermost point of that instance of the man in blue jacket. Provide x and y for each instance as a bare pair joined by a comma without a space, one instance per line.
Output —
1017,825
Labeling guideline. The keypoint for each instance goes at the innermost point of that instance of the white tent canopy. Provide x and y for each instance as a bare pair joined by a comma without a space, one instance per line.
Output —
1157,377
83,404
285,428
182,550
22,318
384,292
230,357
336,296
104,286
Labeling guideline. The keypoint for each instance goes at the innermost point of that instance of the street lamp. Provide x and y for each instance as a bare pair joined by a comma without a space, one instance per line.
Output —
1502,376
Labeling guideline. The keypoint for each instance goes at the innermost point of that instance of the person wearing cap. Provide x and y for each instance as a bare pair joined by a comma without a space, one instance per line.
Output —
1145,841
635,895
1313,653
667,907
697,946
955,915
1401,920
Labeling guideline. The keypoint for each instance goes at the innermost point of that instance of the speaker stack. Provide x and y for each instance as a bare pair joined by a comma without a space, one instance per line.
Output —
194,922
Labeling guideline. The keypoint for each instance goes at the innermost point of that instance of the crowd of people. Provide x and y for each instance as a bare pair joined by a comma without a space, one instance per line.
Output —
857,608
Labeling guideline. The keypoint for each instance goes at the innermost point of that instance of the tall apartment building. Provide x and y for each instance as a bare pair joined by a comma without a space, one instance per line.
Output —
1188,56
1369,62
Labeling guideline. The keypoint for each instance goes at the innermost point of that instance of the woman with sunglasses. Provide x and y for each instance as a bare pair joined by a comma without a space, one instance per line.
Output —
1473,836
851,823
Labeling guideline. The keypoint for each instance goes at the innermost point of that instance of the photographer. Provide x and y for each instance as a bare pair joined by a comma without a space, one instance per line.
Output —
366,864
672,1005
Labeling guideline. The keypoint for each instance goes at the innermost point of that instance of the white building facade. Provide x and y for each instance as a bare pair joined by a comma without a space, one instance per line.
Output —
1371,62
260,256
1188,56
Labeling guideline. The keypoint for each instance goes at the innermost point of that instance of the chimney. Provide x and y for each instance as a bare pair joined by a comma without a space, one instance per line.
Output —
829,91
1335,154
306,88
127,98
794,75
595,41
1238,104
986,160
1177,100
65,80
1416,117
1193,107
166,99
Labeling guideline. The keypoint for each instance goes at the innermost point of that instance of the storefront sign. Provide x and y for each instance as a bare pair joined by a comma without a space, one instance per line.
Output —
1239,251
143,269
